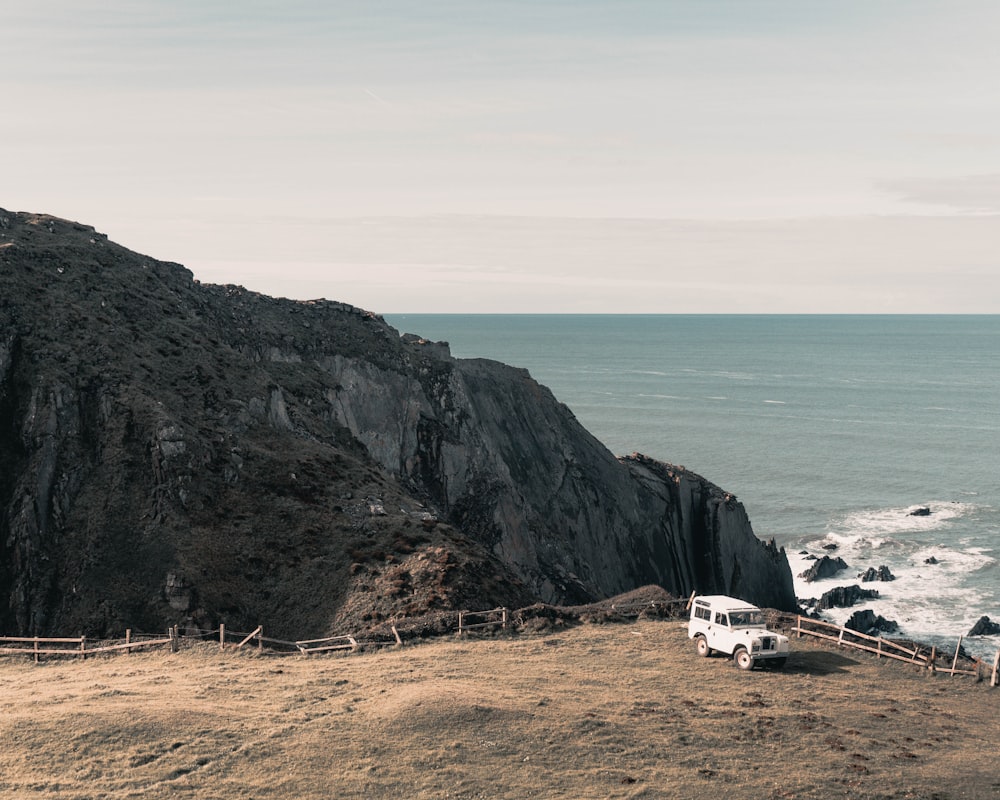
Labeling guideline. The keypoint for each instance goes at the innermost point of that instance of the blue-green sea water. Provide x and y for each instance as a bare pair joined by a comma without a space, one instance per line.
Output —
829,429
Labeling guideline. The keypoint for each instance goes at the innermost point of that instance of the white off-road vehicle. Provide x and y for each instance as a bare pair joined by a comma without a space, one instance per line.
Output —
731,626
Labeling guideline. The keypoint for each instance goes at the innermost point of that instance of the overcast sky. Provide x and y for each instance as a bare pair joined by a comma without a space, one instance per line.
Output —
674,156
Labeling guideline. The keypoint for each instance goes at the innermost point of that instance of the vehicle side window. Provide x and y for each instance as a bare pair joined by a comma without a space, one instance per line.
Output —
721,619
703,613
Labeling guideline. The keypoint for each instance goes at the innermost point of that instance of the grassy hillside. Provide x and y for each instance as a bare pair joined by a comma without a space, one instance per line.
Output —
595,711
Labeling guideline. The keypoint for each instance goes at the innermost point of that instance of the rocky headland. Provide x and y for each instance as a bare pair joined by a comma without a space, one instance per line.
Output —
172,451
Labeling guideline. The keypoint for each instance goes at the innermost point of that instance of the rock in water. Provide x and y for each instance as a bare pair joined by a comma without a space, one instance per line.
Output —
880,574
824,567
867,622
176,450
845,597
985,627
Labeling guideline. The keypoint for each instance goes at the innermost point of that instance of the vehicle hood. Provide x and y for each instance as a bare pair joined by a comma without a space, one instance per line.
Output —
758,633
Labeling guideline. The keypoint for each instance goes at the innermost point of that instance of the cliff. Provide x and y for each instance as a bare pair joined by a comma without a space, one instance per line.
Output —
177,451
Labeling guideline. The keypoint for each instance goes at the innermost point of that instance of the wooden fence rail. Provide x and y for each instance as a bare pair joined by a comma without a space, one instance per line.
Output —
634,609
303,646
48,646
43,647
488,619
846,637
256,632
128,646
309,646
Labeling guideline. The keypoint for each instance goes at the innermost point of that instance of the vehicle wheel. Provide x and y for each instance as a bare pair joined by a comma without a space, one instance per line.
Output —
701,644
743,659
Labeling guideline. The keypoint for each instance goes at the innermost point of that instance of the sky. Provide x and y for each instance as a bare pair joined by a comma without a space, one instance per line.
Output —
525,156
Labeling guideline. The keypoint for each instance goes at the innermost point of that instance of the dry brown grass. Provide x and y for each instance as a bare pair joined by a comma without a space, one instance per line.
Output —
597,711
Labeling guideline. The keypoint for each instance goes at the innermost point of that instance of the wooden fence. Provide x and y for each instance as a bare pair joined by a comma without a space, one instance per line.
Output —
37,646
257,637
81,646
461,622
900,651
473,621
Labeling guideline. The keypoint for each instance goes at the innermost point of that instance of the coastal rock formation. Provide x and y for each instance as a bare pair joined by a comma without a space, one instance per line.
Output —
824,567
880,574
868,622
171,450
845,597
984,627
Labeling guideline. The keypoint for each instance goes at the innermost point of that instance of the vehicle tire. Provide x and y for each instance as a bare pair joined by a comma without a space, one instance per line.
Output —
701,645
743,659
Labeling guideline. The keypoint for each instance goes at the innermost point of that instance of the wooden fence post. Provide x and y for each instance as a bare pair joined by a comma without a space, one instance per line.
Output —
460,613
258,631
83,648
174,644
954,661
996,667
36,649
128,640
932,660
260,638
503,623
879,653
690,601
399,641
222,635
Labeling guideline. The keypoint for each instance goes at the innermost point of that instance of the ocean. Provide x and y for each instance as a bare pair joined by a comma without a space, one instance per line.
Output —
831,430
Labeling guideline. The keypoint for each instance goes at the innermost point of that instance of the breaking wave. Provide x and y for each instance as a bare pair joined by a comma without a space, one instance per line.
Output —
944,579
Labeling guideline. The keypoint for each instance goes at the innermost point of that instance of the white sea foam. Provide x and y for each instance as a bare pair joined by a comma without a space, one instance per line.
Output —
901,520
933,602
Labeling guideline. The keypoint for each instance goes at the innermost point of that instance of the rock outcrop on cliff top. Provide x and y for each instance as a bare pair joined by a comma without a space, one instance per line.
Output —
172,451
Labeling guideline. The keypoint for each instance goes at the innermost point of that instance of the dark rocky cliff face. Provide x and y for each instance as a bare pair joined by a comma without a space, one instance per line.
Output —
177,451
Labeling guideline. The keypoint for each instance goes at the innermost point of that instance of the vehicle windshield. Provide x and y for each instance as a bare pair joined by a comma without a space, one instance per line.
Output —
743,619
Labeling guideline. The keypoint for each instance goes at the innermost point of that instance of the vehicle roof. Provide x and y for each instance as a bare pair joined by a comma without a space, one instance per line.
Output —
722,601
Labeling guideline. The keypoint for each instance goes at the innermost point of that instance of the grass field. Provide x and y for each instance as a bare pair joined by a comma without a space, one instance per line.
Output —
594,711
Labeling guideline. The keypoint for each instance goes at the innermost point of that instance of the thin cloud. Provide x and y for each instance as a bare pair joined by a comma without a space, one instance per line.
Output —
971,193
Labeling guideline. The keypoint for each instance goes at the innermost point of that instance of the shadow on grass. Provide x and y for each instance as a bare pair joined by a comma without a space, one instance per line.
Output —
818,663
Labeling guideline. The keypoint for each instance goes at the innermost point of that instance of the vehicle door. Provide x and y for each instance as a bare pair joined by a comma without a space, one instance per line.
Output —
718,632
